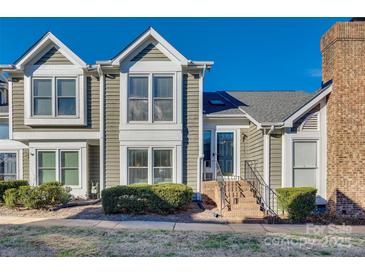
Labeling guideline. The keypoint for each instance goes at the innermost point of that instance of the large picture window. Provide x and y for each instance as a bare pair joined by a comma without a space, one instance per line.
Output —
305,163
162,165
54,97
137,166
58,165
8,166
151,98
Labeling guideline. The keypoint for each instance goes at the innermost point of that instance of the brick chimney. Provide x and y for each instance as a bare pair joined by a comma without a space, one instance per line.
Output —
343,61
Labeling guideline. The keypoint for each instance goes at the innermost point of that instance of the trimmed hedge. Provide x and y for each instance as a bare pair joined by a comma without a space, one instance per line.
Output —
43,196
142,198
10,184
298,202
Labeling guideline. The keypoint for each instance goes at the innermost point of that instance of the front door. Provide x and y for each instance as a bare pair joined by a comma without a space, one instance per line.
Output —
225,152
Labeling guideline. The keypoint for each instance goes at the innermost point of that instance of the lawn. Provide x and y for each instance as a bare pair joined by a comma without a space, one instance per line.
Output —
25,240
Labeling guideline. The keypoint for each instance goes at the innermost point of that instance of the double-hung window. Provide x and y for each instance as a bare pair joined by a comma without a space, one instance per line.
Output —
162,98
305,163
8,166
151,98
58,165
54,97
137,166
138,99
150,165
162,165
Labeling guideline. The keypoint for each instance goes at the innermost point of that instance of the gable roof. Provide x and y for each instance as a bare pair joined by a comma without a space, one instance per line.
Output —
46,40
142,38
265,107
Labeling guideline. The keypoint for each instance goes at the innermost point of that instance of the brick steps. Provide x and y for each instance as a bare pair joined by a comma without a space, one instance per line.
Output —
241,204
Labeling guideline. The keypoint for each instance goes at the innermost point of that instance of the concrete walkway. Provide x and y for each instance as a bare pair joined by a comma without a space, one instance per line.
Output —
172,226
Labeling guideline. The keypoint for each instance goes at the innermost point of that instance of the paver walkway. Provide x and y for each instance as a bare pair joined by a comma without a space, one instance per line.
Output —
172,226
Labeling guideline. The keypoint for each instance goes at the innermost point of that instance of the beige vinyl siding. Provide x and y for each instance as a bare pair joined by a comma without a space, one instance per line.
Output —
53,57
112,147
255,147
94,163
150,53
190,129
25,164
93,110
275,160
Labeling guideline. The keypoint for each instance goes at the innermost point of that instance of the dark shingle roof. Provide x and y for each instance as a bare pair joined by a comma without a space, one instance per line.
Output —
269,106
227,109
263,106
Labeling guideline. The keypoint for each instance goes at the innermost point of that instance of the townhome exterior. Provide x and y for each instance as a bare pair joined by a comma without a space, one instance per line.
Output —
142,117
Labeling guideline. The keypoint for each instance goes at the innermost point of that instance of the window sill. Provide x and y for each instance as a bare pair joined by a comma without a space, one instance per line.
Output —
54,121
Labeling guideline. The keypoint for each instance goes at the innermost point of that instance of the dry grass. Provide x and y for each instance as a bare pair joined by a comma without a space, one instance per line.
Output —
22,240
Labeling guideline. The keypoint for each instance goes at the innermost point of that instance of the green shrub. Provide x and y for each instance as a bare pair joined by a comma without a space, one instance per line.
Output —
8,184
43,196
298,202
141,198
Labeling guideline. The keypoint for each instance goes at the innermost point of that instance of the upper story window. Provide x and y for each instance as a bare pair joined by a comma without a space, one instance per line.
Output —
151,98
54,96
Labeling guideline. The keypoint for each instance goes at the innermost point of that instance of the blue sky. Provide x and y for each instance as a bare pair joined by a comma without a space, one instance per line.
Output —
249,53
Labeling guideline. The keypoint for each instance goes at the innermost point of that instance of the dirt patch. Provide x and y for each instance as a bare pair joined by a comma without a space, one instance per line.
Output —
95,212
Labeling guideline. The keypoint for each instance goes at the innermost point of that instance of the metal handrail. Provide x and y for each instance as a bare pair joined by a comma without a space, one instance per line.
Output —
267,196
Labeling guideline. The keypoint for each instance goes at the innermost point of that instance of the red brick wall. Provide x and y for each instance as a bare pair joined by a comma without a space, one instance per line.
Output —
343,61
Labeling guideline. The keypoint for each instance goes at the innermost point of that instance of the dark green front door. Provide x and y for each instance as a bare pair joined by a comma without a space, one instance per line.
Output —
225,152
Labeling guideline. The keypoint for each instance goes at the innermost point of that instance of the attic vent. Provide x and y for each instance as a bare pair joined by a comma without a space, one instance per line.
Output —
311,123
216,102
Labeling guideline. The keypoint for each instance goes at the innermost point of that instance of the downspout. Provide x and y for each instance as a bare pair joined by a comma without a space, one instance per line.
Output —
201,153
101,140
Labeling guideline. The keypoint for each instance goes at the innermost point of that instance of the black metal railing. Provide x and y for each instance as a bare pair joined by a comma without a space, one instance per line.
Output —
266,195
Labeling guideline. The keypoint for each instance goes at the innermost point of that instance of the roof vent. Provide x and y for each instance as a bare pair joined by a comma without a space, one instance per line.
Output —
216,102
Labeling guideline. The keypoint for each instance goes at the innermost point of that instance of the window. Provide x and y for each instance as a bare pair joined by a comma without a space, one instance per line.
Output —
46,166
162,165
138,99
151,98
207,147
8,168
66,97
4,128
162,99
70,168
305,163
54,97
58,165
42,96
137,166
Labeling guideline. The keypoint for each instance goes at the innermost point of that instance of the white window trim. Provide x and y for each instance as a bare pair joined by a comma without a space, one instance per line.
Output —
19,161
55,96
301,140
150,76
176,165
58,165
236,148
81,104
